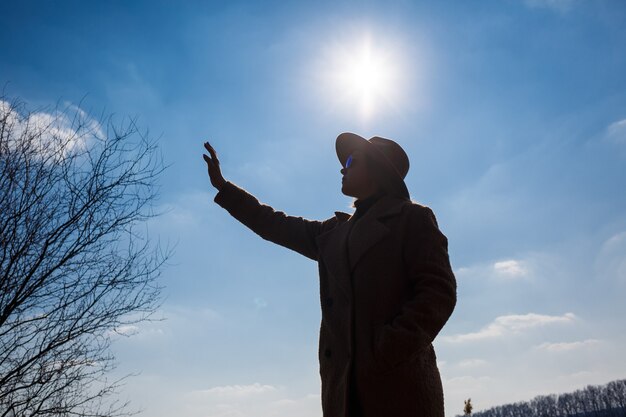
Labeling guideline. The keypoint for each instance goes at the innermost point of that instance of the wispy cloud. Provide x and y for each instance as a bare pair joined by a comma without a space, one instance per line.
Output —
175,322
610,262
466,383
236,390
472,363
259,400
184,210
568,346
616,132
511,324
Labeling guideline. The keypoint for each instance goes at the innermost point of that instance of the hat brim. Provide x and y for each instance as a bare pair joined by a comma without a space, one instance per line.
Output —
347,143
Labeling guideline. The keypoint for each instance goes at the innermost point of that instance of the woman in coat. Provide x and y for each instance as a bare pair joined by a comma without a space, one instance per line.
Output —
386,285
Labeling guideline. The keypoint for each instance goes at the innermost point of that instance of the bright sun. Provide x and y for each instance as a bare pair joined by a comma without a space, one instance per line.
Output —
367,75
363,77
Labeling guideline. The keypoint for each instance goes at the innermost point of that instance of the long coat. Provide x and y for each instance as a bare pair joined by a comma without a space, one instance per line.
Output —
386,289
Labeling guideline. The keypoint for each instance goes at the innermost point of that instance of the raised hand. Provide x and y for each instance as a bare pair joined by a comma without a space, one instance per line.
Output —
213,166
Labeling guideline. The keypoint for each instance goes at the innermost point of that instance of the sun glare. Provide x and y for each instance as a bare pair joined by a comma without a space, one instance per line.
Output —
366,75
364,78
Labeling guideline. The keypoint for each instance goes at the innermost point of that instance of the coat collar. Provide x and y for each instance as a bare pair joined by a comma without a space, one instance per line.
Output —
370,229
363,234
386,206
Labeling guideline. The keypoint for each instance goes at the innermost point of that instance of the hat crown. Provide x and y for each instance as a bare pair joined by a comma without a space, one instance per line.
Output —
394,154
387,154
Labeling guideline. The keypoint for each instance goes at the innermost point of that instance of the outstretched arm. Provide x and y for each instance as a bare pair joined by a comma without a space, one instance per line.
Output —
294,233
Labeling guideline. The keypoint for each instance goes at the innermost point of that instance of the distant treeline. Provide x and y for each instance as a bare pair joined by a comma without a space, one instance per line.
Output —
594,401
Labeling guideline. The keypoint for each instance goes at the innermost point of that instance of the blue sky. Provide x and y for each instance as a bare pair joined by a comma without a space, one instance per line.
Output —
513,114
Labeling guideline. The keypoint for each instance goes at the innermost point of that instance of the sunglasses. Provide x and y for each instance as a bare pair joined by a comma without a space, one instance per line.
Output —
348,162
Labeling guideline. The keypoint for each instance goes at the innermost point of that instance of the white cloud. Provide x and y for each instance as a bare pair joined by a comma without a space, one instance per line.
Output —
141,332
504,270
237,390
616,132
568,346
510,269
284,402
54,132
511,324
472,363
126,330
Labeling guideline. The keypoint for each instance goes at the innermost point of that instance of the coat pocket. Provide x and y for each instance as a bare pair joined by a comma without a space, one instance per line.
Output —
389,351
384,360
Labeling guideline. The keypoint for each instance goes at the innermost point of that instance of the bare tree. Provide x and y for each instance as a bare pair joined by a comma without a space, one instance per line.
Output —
467,407
76,264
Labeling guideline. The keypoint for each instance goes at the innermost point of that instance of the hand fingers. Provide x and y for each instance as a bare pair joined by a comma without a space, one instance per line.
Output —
211,163
209,148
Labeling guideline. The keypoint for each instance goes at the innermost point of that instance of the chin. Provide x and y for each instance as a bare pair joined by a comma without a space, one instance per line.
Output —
346,192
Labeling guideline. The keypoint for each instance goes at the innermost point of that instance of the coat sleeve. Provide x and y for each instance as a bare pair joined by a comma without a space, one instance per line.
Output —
291,232
425,254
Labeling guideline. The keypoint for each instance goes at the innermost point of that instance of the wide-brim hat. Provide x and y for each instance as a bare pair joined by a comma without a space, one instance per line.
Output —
385,153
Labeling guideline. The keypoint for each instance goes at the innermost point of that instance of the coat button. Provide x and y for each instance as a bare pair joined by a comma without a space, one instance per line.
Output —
327,353
329,302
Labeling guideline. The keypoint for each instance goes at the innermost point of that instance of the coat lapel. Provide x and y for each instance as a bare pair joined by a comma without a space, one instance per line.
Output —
363,234
333,251
369,230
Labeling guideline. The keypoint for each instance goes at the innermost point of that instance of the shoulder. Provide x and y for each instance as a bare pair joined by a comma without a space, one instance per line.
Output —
412,208
419,215
331,223
341,217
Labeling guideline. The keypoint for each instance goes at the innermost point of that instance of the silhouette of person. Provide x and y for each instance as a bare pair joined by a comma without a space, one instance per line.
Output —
386,284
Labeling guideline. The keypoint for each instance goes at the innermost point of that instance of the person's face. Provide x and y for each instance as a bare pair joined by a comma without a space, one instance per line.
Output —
357,181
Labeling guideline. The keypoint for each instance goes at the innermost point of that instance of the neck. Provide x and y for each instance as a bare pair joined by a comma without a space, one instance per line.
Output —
364,204
369,199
